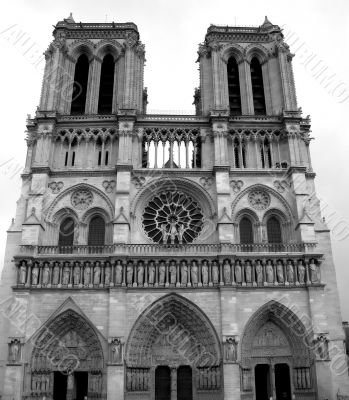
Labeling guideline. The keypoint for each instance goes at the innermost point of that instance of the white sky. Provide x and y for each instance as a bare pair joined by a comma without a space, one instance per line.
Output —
171,31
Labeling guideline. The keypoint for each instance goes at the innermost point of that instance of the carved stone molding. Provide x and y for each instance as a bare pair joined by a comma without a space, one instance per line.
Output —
81,199
236,185
138,181
206,182
56,186
281,186
109,186
259,199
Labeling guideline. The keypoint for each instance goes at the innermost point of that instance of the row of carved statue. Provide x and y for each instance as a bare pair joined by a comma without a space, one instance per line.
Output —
167,273
137,379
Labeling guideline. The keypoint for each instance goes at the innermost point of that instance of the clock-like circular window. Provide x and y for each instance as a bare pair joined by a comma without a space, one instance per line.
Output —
172,217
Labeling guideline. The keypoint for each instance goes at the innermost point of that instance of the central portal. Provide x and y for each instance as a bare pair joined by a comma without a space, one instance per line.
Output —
184,383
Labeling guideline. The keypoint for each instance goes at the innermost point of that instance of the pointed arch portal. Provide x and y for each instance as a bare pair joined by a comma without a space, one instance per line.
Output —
276,357
67,359
171,344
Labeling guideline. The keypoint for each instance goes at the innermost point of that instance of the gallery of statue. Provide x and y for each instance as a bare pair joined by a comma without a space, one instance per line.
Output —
169,257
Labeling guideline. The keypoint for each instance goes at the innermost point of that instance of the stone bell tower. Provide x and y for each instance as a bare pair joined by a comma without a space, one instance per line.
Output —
169,257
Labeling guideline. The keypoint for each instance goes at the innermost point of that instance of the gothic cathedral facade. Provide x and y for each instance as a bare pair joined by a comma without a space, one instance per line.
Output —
169,257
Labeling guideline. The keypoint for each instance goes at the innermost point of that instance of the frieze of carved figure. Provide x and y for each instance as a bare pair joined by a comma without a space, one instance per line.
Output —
301,272
107,274
129,273
204,269
248,272
22,273
184,273
290,272
151,273
259,272
227,273
45,275
238,272
194,273
66,274
87,274
215,273
173,273
140,273
76,274
314,272
56,272
118,273
35,274
162,273
269,270
280,272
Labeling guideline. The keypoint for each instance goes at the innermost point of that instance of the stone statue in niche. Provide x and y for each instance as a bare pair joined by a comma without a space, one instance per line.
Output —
301,271
116,351
97,274
194,273
162,273
22,273
87,274
46,275
238,272
35,274
55,278
107,274
173,273
269,270
184,273
290,272
227,273
118,273
314,271
230,349
66,274
259,273
14,351
204,270
215,273
140,273
321,347
76,274
129,272
151,273
248,272
280,272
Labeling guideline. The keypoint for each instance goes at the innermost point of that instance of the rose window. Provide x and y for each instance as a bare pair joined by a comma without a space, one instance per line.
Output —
172,217
259,199
82,199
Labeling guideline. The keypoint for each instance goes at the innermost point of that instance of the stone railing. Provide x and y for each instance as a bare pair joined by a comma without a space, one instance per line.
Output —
182,271
159,249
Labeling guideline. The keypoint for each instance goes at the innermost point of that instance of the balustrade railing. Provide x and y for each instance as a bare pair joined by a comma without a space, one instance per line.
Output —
194,272
153,249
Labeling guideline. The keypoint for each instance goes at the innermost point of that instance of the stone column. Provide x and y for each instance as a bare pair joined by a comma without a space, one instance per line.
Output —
245,88
94,77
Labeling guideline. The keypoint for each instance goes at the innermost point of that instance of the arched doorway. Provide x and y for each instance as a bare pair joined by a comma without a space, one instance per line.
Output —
276,361
67,360
171,343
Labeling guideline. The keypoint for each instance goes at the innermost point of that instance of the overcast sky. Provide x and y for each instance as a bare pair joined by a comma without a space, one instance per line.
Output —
171,31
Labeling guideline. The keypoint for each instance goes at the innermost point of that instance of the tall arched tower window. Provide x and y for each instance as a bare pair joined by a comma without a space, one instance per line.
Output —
96,231
80,85
246,231
234,87
105,99
257,87
274,230
66,232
